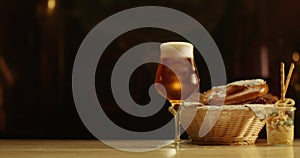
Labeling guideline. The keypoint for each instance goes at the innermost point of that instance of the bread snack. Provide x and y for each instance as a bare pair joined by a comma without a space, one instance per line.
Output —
280,119
280,125
239,92
238,121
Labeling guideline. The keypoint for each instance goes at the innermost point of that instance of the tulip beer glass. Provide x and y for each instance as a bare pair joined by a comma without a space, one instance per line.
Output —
176,77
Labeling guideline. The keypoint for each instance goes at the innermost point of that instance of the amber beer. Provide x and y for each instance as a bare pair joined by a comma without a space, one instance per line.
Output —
180,84
176,74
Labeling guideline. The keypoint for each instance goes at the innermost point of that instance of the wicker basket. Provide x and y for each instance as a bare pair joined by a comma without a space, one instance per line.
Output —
236,124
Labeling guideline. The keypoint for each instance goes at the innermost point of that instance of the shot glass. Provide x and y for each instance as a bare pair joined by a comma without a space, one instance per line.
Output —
280,125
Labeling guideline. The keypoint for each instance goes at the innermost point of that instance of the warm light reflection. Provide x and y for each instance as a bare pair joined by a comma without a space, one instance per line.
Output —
176,86
51,5
295,56
171,153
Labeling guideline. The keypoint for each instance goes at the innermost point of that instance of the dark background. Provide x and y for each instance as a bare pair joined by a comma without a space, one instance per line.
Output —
39,45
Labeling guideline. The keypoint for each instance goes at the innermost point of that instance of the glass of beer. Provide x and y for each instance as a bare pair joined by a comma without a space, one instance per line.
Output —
176,77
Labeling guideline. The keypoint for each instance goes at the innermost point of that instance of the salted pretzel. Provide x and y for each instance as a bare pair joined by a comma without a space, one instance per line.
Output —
237,92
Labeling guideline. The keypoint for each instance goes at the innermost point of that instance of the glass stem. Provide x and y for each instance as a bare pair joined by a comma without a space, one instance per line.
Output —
176,107
177,127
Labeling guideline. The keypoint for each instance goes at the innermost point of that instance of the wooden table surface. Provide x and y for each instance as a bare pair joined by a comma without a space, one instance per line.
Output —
94,148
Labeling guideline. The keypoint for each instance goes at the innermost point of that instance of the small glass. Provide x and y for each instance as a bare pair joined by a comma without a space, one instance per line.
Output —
280,125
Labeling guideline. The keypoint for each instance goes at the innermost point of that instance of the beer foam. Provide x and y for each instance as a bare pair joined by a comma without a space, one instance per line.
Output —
177,49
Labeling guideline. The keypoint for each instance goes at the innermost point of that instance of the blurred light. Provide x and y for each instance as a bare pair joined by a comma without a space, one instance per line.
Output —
297,87
295,56
264,62
51,6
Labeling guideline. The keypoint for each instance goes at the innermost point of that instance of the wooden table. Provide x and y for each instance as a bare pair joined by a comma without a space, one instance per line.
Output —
94,148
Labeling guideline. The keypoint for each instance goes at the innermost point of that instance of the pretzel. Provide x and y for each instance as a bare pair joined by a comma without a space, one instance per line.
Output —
237,92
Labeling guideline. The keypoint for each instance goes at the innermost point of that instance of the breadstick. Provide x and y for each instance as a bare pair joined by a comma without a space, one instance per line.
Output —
289,78
282,81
